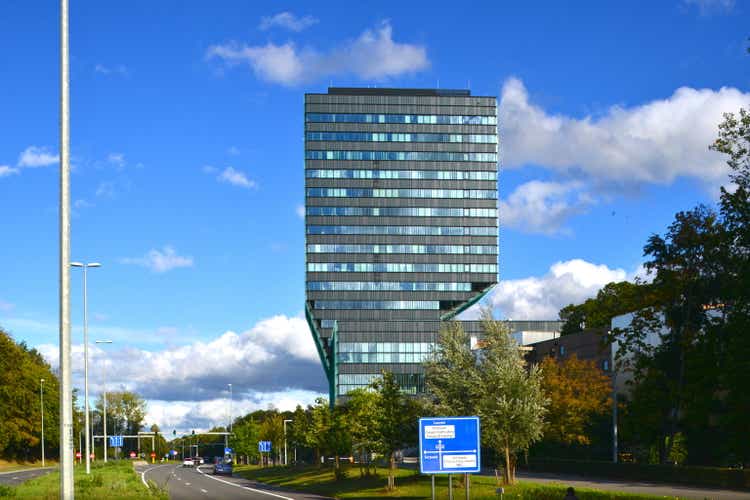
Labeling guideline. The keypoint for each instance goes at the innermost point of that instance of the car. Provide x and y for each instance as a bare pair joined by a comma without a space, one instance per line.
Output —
198,460
187,462
222,465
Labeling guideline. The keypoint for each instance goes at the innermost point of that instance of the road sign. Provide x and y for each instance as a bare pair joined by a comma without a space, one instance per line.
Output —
449,445
264,446
173,452
78,454
227,451
132,454
153,454
115,441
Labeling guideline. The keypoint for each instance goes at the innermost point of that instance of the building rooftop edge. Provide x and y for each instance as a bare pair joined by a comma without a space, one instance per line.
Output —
398,91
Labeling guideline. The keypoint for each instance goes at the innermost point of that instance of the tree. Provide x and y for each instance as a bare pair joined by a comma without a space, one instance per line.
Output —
511,400
612,300
363,409
577,390
246,436
272,429
396,421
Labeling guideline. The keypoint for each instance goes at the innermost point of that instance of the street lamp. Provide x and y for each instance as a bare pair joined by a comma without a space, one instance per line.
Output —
86,360
226,438
286,459
41,404
104,400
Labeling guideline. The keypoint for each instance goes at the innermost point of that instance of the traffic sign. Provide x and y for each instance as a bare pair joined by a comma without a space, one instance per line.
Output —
173,452
227,451
78,454
449,445
132,454
115,441
264,446
153,454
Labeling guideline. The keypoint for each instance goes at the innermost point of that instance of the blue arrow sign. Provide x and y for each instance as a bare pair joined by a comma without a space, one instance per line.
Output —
227,451
449,445
115,441
264,446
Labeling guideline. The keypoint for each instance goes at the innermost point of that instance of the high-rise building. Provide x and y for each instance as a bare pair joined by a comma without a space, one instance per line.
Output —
401,224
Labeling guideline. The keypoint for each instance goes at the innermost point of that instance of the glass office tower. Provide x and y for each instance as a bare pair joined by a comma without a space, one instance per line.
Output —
401,224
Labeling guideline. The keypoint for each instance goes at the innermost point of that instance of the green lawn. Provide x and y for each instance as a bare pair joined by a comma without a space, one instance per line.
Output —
115,480
412,486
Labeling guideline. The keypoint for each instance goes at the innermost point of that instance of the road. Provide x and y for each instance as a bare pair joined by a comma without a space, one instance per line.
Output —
188,483
15,477
692,492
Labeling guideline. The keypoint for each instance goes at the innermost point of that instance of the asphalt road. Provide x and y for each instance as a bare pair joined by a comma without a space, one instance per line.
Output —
692,492
188,483
13,478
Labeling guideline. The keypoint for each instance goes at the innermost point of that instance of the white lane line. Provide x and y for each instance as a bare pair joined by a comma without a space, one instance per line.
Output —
187,484
15,477
204,491
143,474
263,492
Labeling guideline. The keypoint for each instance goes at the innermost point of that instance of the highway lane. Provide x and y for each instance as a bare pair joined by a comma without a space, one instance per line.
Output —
188,483
13,478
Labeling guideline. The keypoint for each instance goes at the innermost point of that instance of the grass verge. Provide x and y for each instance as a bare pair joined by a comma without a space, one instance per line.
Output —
115,480
410,485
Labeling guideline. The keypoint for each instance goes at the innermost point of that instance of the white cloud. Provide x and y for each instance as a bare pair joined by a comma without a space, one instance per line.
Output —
656,142
160,261
5,170
542,297
287,20
236,178
117,159
300,211
274,362
119,69
34,156
543,207
373,55
208,169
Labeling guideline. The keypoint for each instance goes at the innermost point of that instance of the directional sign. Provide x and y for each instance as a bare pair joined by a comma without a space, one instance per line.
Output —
115,441
173,452
227,451
449,445
264,446
132,454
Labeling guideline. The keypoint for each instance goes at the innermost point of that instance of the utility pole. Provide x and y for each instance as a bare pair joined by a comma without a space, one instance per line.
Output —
41,404
67,491
229,428
286,459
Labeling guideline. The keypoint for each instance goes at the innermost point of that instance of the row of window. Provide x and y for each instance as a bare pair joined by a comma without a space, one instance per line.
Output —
397,267
374,347
440,175
409,383
399,156
386,286
384,357
395,118
402,212
406,230
418,249
400,137
377,304
480,194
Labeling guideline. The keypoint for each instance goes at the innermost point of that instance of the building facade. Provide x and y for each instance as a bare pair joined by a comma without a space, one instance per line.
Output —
401,224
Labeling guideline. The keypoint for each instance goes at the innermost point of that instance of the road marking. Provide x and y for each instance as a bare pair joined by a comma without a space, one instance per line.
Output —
143,474
28,469
204,491
187,484
263,492
15,477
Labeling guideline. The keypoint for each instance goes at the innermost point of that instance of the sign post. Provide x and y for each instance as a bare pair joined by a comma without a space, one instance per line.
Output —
264,447
449,445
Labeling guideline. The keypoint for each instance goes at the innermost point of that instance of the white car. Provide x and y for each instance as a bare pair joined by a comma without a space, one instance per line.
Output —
188,462
198,460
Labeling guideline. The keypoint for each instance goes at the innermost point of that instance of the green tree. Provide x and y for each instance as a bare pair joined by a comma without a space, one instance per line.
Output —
272,429
511,400
363,409
246,436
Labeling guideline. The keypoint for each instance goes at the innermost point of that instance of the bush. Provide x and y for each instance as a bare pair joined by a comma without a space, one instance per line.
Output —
715,477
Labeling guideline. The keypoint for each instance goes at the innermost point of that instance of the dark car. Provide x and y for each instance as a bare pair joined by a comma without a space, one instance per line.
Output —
222,466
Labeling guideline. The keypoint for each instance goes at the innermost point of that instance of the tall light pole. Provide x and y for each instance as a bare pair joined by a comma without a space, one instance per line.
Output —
66,385
41,405
229,428
86,360
104,400
286,459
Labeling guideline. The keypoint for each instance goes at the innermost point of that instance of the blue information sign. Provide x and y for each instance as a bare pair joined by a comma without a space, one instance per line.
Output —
449,445
227,451
115,441
264,446
173,452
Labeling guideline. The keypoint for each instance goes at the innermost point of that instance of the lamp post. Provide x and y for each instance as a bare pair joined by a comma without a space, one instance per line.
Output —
41,404
286,459
229,428
86,360
104,400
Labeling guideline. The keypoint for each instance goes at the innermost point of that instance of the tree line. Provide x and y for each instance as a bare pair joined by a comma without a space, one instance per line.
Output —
689,393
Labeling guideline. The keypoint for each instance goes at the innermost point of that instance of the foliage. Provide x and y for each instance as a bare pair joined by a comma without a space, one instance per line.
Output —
272,429
363,409
577,390
246,437
21,369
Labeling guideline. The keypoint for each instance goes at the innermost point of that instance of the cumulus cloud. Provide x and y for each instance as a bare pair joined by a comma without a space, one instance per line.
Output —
656,142
235,178
288,21
35,156
543,207
5,170
373,55
160,261
542,297
272,363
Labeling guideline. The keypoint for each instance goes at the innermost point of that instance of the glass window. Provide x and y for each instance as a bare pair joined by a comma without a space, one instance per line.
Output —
400,137
405,230
387,286
405,249
396,118
486,194
447,175
377,304
401,212
396,267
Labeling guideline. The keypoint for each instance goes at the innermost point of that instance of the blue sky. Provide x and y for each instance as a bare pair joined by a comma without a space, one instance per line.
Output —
188,169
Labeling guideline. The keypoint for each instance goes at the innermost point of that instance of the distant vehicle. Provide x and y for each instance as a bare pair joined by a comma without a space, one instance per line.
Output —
188,462
222,466
198,460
